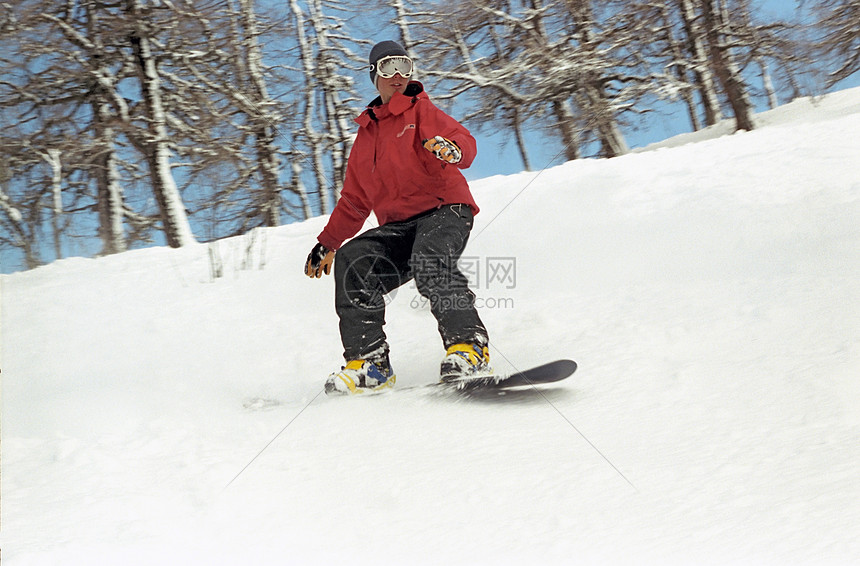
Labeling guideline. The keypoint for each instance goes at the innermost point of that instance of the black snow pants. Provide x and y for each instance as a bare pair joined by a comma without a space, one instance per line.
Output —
425,248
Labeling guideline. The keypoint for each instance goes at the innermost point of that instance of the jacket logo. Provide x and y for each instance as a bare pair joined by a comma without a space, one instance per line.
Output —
408,127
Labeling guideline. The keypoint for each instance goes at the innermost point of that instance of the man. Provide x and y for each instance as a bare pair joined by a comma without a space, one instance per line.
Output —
405,167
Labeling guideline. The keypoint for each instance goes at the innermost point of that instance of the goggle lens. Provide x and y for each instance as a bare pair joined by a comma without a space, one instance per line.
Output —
387,67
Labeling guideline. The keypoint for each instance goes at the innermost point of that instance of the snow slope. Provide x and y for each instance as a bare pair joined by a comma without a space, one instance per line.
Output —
155,414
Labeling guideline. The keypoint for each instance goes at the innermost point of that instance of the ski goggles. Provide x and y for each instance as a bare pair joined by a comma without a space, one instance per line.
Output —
387,67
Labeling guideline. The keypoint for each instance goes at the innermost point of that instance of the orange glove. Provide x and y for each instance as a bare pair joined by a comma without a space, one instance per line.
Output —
319,261
443,149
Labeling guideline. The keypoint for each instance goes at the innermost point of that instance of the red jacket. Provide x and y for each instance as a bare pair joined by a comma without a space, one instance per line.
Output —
390,173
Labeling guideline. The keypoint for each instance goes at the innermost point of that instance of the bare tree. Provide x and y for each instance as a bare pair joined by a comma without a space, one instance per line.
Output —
326,94
697,42
21,209
480,51
336,89
722,60
313,137
64,96
592,95
262,110
840,37
86,32
662,53
156,144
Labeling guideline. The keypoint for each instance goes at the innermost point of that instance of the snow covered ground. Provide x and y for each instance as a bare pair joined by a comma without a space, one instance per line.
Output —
708,287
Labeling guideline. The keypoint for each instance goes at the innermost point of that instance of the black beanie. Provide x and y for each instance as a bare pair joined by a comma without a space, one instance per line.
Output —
383,49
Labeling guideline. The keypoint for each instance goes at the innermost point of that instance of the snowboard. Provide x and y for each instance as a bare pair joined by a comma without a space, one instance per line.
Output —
538,375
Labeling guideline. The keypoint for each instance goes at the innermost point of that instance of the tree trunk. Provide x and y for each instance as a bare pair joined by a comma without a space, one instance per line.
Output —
314,139
567,128
521,142
611,139
177,229
21,237
725,68
696,43
264,132
767,83
267,158
680,68
298,186
401,21
594,98
110,197
53,159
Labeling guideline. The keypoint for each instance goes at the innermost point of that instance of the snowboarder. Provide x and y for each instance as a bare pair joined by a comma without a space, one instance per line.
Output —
405,167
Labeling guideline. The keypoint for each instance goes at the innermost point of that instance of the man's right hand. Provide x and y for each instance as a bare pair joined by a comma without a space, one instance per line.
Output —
319,261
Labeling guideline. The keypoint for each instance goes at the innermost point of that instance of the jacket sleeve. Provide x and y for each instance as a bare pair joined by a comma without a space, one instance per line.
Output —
350,212
435,122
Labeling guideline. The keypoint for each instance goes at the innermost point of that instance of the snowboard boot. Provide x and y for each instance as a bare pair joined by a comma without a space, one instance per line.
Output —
361,376
464,361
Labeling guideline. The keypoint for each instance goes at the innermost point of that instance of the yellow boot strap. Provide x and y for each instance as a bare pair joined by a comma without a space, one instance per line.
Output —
470,352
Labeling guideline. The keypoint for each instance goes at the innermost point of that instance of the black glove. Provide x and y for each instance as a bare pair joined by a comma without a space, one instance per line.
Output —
319,261
443,149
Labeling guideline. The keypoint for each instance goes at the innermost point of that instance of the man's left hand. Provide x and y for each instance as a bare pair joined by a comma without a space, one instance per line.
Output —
443,149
